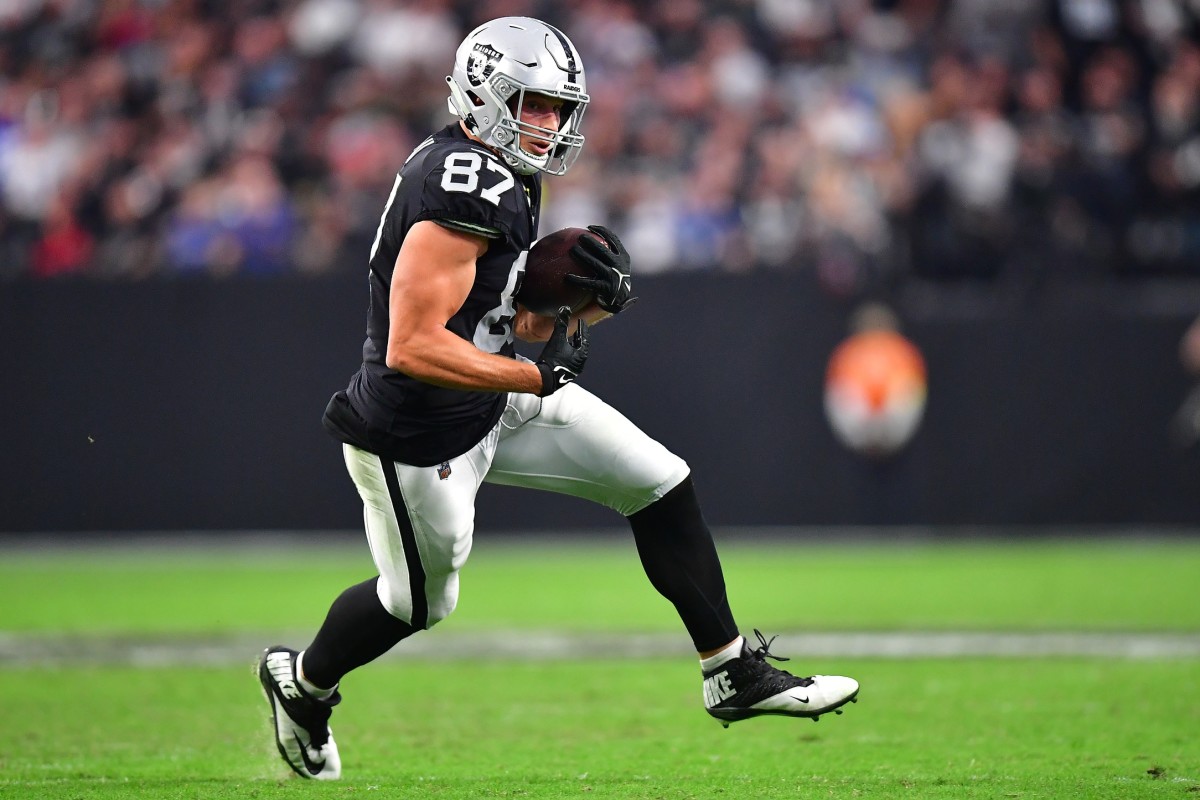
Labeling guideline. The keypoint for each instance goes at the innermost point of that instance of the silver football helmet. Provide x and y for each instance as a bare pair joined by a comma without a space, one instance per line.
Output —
495,66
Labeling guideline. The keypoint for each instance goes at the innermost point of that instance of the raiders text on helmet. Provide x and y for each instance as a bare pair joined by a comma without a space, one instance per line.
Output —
496,66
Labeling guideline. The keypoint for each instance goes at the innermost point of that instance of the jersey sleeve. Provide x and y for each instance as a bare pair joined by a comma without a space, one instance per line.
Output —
469,191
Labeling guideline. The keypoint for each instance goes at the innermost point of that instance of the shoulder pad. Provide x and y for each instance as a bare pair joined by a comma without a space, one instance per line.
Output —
466,186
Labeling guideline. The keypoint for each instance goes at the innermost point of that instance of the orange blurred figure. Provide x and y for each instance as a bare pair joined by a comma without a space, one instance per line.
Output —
875,385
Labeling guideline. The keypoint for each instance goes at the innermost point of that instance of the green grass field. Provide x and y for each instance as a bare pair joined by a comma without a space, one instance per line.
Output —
591,726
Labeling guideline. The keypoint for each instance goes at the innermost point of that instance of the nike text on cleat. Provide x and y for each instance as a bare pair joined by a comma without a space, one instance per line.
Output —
302,731
747,686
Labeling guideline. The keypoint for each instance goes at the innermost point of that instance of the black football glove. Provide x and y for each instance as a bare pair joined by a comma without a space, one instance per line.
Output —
611,265
563,357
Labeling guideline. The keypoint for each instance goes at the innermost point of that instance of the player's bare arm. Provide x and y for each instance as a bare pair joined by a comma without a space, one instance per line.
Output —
530,327
433,275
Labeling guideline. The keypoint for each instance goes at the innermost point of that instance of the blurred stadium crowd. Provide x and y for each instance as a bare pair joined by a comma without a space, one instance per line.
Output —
863,140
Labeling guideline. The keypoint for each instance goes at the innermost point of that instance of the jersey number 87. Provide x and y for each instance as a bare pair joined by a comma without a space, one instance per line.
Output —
462,175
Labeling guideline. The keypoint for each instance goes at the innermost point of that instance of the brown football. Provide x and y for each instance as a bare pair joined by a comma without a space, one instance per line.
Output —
544,288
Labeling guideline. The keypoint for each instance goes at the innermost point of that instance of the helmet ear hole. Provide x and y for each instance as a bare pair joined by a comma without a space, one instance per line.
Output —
475,99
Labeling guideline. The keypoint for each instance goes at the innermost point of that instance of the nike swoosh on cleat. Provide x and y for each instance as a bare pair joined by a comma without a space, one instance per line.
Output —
798,698
313,767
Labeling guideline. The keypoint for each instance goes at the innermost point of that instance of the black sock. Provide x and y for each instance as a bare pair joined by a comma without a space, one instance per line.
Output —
357,630
680,558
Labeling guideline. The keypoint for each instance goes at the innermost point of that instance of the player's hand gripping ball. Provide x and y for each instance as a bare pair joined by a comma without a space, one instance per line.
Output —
609,260
544,288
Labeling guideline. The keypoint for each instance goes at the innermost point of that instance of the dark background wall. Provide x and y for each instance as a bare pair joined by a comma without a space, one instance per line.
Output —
196,405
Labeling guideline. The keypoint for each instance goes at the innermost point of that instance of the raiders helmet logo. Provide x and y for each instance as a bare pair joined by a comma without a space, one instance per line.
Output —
481,63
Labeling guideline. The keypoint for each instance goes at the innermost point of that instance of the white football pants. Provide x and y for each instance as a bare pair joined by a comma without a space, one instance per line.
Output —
420,520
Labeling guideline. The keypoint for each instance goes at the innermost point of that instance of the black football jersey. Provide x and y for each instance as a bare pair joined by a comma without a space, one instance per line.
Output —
462,185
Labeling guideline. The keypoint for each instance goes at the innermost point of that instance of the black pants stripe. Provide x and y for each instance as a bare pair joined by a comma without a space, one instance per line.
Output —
412,556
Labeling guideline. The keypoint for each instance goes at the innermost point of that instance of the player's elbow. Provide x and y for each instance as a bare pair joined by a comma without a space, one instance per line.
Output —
403,355
402,359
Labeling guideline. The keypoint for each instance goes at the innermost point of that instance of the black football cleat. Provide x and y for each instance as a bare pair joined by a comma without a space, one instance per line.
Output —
747,686
302,731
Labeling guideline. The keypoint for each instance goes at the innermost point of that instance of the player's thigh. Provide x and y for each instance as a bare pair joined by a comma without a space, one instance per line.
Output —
572,442
419,523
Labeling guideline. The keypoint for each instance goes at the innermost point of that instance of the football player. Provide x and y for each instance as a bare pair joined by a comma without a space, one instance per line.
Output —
441,402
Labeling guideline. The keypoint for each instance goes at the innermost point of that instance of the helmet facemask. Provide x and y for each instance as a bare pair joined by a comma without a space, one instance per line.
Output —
565,143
